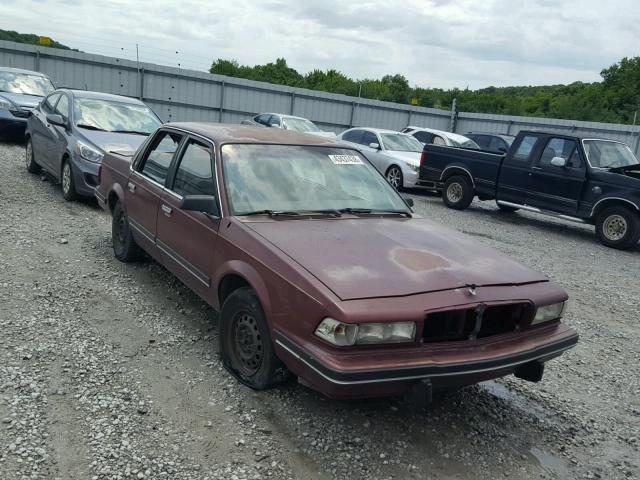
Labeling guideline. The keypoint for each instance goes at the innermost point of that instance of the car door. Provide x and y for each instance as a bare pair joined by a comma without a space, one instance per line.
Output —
375,155
59,136
146,185
40,134
515,173
557,188
187,239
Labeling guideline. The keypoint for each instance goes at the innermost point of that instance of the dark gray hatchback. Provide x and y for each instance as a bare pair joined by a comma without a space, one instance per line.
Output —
71,131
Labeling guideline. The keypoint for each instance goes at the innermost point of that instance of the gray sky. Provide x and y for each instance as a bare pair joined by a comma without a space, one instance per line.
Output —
434,43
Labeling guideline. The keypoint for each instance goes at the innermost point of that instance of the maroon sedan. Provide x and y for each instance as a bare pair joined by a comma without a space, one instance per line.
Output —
319,268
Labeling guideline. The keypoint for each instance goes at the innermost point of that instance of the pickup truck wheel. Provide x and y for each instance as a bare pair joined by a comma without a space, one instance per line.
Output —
66,179
618,227
245,343
457,192
394,177
32,166
125,247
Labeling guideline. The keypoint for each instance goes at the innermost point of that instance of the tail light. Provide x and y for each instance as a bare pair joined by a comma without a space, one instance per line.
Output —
423,158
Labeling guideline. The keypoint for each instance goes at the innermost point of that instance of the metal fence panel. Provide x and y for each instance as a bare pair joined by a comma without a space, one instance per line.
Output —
185,95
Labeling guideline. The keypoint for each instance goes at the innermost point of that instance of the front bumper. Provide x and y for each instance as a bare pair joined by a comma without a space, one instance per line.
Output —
10,124
85,174
392,371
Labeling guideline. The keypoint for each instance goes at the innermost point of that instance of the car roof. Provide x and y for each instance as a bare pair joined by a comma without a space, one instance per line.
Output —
453,136
376,130
234,133
492,134
20,70
100,96
283,115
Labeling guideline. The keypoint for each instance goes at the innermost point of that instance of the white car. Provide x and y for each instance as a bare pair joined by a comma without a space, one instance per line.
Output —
440,137
288,122
394,154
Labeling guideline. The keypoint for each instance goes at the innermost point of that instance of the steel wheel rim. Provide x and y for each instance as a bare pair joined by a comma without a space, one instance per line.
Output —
29,153
615,227
454,192
66,178
393,177
246,343
122,230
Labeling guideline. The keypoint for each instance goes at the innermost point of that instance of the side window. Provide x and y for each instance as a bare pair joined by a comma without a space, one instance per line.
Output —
438,140
62,108
353,136
496,143
481,140
50,102
274,119
369,137
557,147
424,137
527,144
262,119
194,175
159,156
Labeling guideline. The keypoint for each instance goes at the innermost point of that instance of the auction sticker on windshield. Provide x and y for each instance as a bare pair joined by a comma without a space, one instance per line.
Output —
345,159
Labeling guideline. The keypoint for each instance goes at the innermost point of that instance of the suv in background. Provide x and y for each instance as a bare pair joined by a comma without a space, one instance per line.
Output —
492,141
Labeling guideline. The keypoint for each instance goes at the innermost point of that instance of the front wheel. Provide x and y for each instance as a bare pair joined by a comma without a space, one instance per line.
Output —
32,165
618,227
245,342
457,192
67,181
394,177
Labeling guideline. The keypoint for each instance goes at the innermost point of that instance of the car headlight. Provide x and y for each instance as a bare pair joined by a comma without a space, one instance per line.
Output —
346,334
415,168
7,105
546,313
89,153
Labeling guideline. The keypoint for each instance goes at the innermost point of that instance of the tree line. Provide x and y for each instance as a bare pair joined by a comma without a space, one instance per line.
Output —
28,38
615,99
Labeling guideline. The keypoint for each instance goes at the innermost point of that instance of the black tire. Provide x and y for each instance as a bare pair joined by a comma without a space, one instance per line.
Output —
394,177
30,158
245,343
618,227
125,247
507,209
66,180
457,192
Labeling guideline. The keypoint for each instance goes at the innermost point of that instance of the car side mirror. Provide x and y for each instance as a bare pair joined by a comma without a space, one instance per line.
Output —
558,162
55,119
206,204
408,201
374,145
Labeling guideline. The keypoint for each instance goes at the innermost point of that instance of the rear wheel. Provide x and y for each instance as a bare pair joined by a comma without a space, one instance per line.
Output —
394,177
245,342
32,166
618,227
457,192
66,179
125,247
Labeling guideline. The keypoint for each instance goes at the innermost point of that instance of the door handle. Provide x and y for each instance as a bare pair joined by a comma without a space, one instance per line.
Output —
131,187
167,210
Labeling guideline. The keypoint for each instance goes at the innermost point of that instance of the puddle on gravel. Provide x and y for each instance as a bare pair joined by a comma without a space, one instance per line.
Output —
554,465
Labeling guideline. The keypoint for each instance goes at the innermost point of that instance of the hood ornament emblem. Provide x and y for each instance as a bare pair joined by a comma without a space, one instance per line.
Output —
472,287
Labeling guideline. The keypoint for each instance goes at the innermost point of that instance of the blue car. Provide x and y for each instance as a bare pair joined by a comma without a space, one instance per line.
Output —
20,93
71,131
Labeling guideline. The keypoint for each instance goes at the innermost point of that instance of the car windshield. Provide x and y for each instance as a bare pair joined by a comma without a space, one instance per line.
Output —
25,84
607,154
465,144
110,116
300,125
400,142
294,178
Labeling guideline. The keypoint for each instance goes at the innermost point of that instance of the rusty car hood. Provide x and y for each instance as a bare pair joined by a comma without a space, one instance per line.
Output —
381,257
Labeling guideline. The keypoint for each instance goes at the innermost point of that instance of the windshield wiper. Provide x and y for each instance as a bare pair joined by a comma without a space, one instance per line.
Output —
293,213
90,127
374,211
136,132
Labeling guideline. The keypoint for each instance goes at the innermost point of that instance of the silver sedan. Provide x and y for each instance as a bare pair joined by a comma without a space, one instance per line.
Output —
396,155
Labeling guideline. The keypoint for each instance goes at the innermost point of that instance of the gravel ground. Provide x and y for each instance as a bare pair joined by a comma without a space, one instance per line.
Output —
109,371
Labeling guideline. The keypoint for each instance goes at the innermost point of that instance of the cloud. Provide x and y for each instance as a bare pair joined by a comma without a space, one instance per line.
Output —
434,43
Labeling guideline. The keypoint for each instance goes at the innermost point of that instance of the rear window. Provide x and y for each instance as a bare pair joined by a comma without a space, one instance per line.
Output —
527,144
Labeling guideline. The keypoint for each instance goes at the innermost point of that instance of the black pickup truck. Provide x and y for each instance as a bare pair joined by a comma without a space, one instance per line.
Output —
585,180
